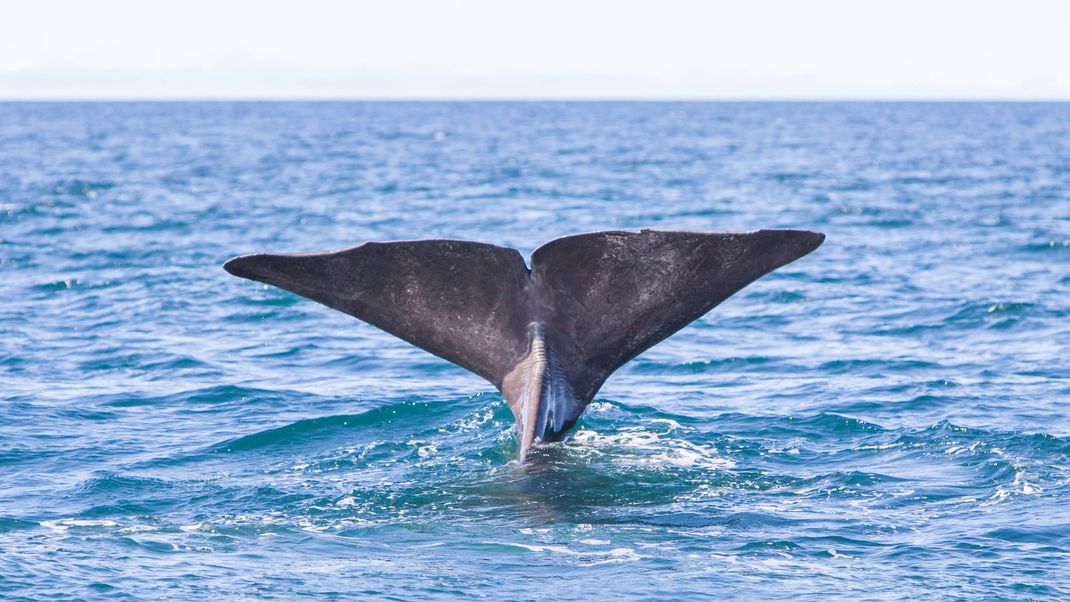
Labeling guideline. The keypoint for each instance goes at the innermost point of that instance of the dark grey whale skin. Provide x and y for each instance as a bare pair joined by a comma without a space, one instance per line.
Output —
593,300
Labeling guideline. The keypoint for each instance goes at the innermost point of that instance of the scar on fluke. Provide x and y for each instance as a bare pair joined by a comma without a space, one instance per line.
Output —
549,336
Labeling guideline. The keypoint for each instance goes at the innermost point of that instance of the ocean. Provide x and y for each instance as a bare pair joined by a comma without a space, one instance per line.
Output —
888,417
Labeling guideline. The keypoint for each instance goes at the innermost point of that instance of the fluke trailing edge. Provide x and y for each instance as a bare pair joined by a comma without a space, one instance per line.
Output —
548,336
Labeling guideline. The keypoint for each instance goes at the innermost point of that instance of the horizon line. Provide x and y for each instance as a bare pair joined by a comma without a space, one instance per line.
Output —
564,99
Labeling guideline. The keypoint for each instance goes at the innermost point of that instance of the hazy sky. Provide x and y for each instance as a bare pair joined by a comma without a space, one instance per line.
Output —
535,49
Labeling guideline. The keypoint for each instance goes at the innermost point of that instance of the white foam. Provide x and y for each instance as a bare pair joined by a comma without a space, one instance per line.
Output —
638,445
63,524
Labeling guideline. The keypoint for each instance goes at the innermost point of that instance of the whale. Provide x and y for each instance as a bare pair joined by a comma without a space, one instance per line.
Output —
546,335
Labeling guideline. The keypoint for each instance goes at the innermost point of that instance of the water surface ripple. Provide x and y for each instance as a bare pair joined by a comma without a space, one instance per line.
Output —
886,418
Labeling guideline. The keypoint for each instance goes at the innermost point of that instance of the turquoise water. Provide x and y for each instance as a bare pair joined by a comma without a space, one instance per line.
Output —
887,417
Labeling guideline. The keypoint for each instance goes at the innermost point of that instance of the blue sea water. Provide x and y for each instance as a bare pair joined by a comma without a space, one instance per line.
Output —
888,417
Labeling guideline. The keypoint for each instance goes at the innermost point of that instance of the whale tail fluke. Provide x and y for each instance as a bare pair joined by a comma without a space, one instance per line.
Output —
616,294
462,301
588,304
